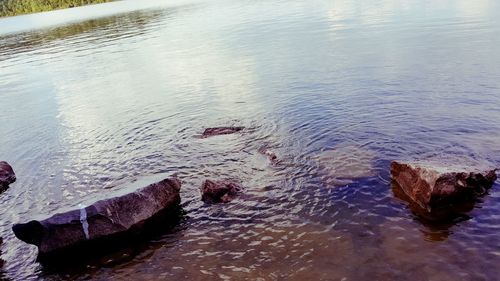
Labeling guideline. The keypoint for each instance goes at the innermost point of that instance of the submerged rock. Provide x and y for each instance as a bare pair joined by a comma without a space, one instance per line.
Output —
103,221
216,131
269,154
219,191
7,175
345,162
433,185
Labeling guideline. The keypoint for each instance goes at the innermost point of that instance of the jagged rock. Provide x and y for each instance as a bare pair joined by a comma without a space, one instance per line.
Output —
7,175
219,191
433,185
209,132
104,220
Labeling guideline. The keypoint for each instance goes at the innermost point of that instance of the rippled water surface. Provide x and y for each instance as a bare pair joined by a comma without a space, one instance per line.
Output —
97,96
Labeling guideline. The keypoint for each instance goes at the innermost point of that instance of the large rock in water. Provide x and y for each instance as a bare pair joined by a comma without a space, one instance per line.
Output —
216,131
434,185
7,175
103,221
219,191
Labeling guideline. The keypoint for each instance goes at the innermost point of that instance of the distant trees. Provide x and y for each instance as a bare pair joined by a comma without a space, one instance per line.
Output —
17,7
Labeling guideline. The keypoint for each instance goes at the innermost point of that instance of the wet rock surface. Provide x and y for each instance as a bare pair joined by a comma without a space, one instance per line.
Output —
217,131
434,185
222,191
104,222
7,175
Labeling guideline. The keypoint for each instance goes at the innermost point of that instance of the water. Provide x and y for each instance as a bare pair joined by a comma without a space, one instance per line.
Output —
97,96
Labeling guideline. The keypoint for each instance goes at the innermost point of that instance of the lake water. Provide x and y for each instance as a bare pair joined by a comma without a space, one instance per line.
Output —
97,96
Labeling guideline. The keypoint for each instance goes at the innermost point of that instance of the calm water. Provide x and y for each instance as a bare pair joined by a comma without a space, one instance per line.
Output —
97,96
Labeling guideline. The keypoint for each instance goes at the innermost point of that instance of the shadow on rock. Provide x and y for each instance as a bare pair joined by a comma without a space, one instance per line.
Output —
133,214
437,221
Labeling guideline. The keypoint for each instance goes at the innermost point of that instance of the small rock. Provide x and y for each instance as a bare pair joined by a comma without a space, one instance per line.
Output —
269,154
103,220
210,132
219,191
7,175
434,185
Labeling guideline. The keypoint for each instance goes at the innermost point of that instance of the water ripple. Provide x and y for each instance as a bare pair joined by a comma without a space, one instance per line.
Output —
336,90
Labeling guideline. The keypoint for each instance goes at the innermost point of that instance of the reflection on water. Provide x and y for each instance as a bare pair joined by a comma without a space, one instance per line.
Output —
101,97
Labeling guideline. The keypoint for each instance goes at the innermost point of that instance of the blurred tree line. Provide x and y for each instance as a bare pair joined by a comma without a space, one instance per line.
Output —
18,7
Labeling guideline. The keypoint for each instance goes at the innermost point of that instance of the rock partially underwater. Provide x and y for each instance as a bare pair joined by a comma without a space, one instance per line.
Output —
437,185
104,222
271,156
1,261
346,162
217,131
219,191
7,175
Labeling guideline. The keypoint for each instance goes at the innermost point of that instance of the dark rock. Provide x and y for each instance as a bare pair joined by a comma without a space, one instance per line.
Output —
209,132
1,261
122,216
7,175
433,185
219,191
442,217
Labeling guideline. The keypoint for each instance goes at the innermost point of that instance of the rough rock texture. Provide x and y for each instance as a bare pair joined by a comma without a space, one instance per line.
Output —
7,175
209,132
106,218
219,191
433,185
446,214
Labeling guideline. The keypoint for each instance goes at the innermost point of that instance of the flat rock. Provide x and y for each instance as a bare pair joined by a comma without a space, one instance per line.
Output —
216,131
434,184
7,175
219,191
345,162
103,220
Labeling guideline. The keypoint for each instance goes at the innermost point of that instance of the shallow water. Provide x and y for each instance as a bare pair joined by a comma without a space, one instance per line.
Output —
97,96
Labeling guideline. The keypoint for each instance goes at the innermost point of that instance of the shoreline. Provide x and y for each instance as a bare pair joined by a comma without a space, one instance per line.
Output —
9,8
